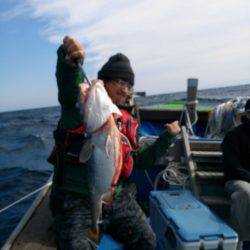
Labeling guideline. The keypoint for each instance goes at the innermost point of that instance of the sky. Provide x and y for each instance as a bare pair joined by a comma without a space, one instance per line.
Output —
167,42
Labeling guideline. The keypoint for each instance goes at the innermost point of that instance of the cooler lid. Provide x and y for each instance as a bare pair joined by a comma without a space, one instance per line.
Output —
191,219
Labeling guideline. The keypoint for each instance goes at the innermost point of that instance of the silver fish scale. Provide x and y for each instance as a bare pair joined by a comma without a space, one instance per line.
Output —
101,166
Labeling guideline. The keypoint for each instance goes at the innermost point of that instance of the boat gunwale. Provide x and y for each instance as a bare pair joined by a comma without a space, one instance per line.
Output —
27,216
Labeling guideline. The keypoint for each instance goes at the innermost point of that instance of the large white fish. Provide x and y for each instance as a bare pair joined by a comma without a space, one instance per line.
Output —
103,151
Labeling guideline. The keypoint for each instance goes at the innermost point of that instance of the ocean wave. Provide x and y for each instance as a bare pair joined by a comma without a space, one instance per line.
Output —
44,121
15,171
31,141
14,126
24,143
32,160
20,180
29,155
31,138
23,117
3,149
17,181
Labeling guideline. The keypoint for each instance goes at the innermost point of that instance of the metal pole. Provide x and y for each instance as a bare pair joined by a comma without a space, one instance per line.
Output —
192,86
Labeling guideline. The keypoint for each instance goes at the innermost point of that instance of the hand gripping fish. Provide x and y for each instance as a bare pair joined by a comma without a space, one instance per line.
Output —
103,151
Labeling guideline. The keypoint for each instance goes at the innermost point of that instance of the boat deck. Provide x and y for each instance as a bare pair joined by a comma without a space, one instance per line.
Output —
38,232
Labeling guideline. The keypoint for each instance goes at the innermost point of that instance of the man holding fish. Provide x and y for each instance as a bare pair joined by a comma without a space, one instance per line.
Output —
95,151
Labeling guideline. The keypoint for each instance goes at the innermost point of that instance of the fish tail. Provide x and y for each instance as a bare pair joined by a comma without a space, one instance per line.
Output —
96,215
94,235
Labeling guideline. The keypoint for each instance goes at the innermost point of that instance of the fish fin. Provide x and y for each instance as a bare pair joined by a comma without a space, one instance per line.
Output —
86,151
96,216
108,146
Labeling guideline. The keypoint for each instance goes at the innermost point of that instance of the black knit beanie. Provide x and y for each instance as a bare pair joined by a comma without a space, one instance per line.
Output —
117,67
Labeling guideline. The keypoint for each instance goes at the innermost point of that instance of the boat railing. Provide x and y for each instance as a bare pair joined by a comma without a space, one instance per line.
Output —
42,193
25,197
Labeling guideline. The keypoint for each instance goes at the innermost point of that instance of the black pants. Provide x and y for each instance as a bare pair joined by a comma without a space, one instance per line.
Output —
123,220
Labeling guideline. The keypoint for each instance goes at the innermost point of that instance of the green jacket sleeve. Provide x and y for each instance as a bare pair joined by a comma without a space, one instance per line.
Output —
68,78
146,157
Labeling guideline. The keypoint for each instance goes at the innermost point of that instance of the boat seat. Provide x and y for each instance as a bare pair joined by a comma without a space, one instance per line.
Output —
205,154
204,175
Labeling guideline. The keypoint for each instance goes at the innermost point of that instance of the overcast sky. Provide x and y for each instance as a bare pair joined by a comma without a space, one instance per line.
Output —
167,42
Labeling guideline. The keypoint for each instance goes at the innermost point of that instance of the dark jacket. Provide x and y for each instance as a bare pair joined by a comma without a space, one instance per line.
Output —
236,153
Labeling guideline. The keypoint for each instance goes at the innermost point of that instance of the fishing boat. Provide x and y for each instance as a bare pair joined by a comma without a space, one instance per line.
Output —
200,157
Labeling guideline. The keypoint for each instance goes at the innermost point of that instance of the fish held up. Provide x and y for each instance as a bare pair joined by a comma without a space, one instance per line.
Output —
102,152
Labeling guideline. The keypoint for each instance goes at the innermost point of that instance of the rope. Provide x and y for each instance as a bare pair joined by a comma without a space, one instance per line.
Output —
174,174
25,197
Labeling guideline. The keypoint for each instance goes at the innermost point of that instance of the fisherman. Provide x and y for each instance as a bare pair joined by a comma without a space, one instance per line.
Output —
70,201
236,157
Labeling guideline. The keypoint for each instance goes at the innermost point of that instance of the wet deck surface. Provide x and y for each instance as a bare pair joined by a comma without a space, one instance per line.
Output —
38,232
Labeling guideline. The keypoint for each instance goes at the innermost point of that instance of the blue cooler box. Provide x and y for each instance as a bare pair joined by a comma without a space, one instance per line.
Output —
108,243
180,221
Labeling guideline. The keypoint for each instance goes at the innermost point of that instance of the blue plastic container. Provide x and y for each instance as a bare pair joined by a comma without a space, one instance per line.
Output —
108,243
180,221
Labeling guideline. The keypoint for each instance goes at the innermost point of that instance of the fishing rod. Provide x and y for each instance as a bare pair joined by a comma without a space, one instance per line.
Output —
79,65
